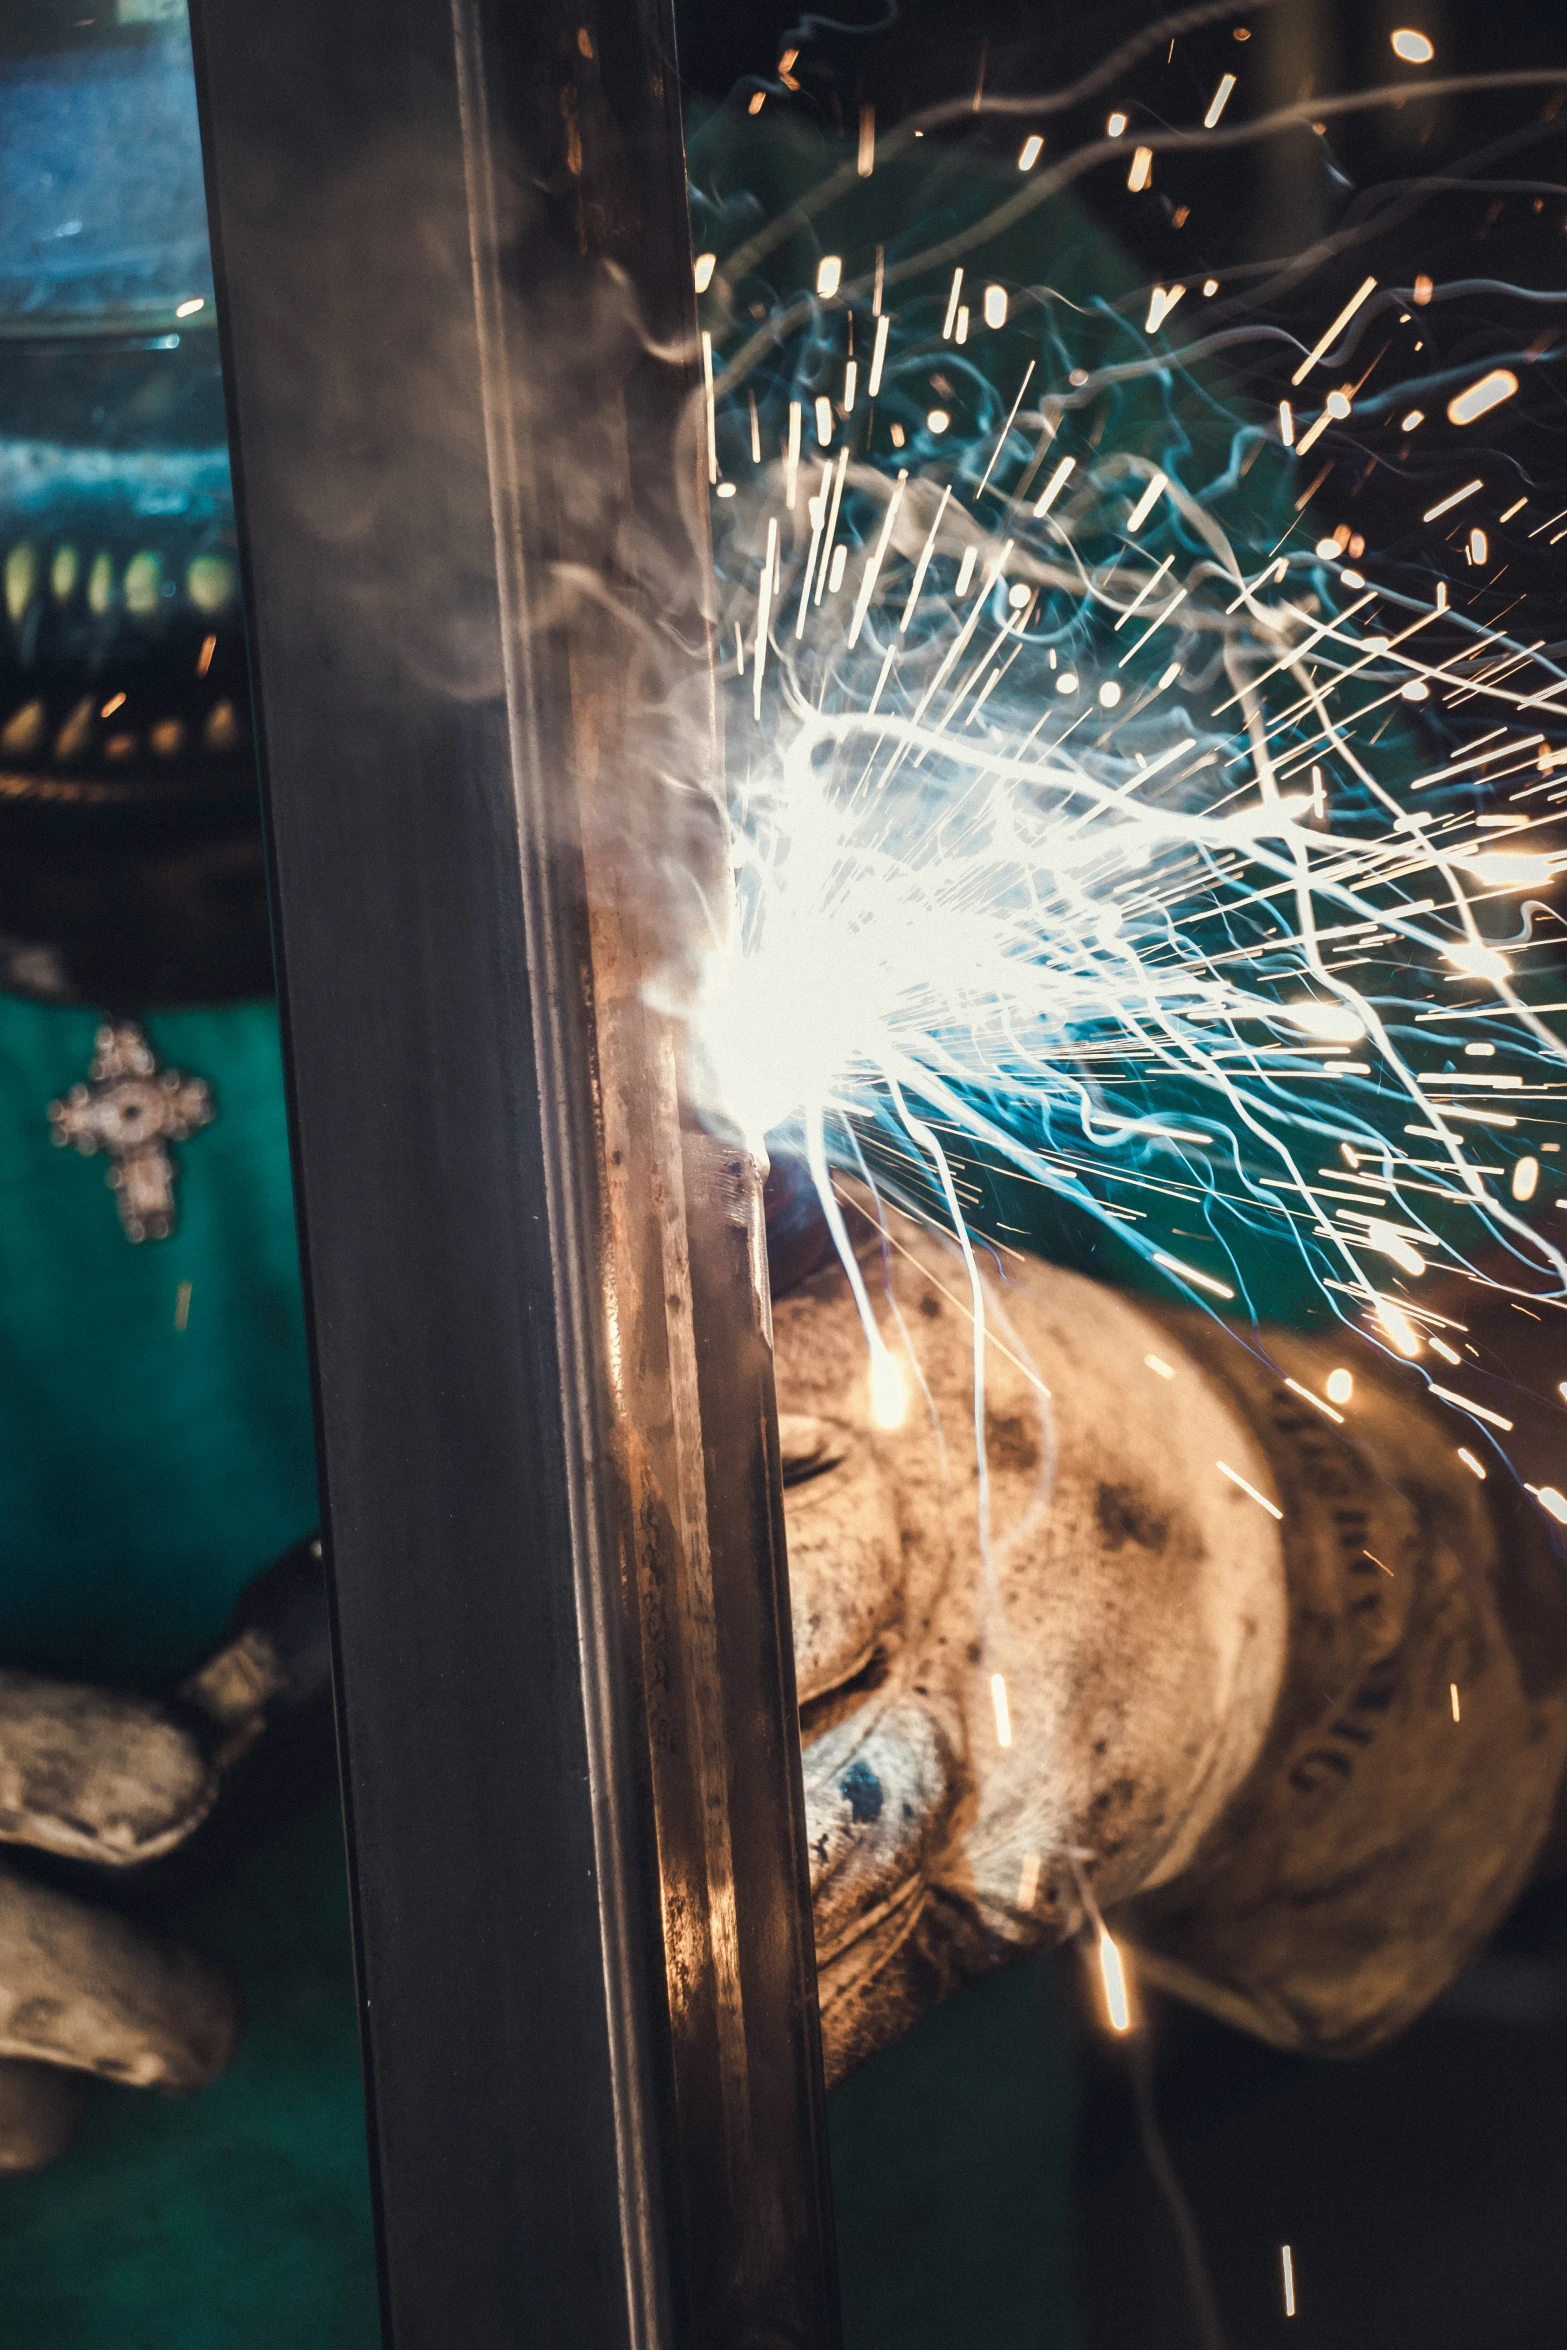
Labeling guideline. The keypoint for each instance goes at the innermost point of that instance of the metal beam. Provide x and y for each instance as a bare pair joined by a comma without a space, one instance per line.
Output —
455,293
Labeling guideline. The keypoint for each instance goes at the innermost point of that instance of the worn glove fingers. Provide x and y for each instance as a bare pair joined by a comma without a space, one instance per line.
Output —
844,1562
39,2105
83,1988
878,1798
96,1775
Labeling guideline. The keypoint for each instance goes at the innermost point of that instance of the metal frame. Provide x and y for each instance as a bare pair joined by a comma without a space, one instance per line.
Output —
455,292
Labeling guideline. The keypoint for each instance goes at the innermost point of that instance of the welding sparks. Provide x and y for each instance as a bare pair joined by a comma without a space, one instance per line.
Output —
878,356
1246,1486
1481,397
1326,341
1454,498
889,1390
1064,811
1003,1712
1145,505
1054,486
1160,304
1112,1974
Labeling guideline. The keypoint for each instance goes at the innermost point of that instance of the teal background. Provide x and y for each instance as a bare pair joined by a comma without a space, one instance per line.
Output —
146,1473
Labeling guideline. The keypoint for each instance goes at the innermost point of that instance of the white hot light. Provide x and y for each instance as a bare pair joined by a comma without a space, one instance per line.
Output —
889,1390
1333,1023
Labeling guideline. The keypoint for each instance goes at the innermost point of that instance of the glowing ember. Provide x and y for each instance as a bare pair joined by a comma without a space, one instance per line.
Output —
1112,1974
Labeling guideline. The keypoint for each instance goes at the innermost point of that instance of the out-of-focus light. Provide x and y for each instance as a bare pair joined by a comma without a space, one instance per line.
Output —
1480,397
829,275
1142,170
1146,503
1398,1328
995,305
706,263
1030,152
1160,303
1414,48
1218,102
1334,1023
1340,1386
1113,1976
1115,126
1003,1712
1502,869
1526,1178
1478,962
190,308
1413,418
889,1390
938,420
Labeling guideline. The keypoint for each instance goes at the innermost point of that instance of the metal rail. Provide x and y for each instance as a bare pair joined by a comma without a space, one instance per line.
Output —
456,303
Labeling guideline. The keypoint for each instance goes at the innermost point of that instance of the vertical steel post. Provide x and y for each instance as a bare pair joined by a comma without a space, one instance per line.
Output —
455,291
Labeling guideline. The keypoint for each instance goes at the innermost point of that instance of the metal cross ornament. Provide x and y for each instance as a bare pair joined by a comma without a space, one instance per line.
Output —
133,1110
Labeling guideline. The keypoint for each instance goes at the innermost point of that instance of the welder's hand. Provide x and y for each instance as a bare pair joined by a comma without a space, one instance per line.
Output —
90,1775
977,1736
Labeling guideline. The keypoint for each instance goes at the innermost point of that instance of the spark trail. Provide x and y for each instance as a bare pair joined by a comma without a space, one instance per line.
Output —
1095,823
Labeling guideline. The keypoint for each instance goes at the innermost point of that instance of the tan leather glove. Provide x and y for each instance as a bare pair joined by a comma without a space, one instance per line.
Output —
1280,1685
1135,1621
90,1775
